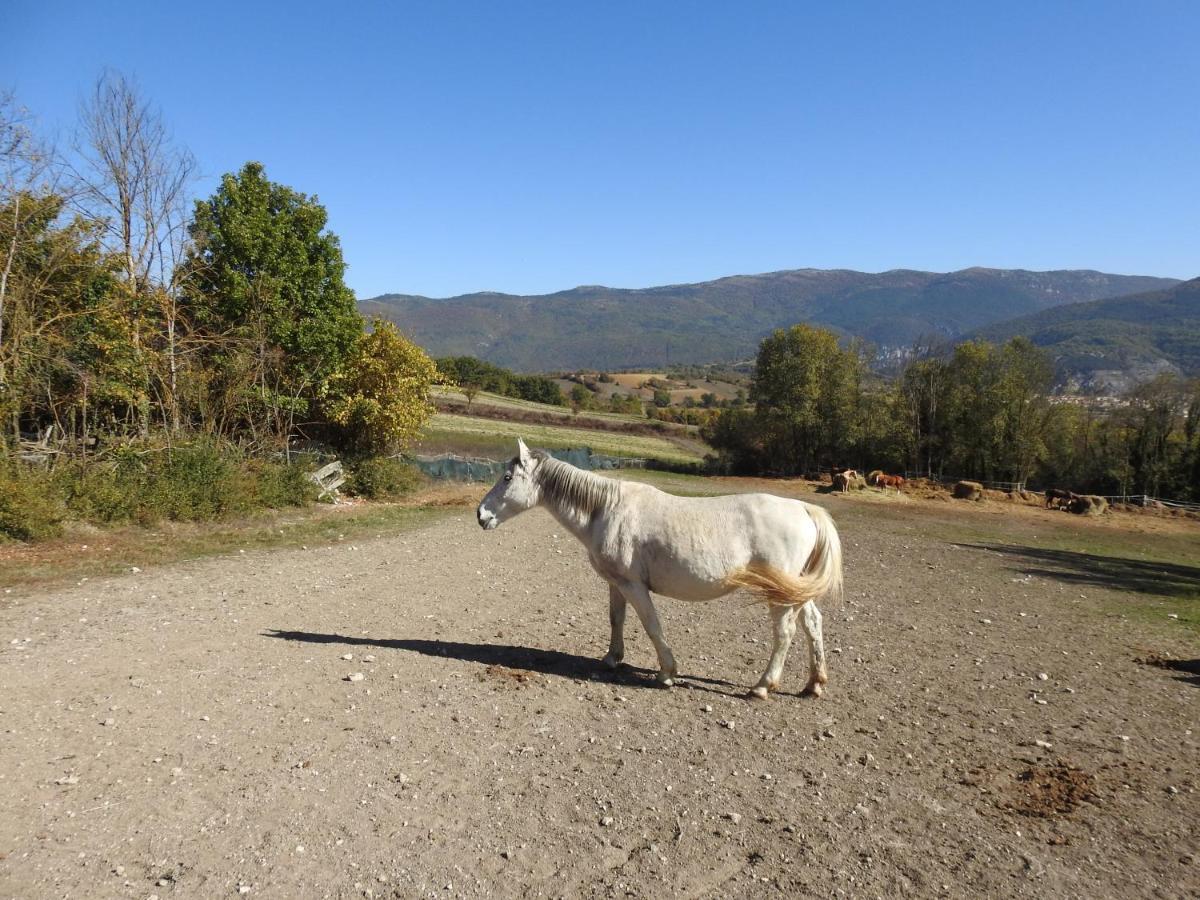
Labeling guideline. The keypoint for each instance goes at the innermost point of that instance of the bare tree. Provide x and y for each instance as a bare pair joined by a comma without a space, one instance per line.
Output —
134,179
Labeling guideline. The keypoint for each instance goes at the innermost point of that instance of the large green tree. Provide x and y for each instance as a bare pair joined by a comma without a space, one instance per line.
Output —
806,394
264,267
264,288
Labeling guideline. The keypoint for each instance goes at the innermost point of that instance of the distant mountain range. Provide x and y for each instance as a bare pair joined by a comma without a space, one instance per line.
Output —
1106,346
724,320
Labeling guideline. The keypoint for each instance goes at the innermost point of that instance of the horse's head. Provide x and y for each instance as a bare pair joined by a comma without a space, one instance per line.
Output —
515,492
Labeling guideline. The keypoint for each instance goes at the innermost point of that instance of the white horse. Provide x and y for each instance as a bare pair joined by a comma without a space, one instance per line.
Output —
640,539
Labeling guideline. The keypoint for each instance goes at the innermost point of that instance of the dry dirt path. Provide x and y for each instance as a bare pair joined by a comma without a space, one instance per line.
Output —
188,731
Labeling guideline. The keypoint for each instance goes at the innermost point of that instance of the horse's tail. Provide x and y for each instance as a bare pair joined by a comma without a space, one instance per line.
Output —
822,576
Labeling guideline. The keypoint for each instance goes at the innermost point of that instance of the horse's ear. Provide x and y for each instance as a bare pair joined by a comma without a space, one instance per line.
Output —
522,452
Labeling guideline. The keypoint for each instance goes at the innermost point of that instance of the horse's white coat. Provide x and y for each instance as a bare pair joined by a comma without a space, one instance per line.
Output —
640,539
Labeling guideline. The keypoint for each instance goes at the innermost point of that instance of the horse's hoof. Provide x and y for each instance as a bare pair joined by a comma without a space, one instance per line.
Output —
610,662
664,680
759,693
813,690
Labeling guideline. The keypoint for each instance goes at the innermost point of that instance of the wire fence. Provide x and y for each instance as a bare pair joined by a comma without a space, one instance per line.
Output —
1014,487
1151,502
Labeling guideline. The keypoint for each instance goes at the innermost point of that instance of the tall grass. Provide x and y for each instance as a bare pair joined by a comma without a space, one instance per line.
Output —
143,484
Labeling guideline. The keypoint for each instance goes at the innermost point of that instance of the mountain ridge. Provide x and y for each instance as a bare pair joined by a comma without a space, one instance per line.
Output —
595,326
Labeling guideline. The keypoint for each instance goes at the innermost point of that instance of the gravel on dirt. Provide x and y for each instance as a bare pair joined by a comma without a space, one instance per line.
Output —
485,753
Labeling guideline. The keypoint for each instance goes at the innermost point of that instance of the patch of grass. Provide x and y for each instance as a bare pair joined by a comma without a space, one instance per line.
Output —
1158,611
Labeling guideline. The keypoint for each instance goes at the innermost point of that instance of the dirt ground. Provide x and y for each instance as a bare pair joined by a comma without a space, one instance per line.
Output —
1008,715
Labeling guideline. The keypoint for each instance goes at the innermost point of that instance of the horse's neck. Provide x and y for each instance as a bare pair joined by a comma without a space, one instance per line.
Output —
574,517
574,520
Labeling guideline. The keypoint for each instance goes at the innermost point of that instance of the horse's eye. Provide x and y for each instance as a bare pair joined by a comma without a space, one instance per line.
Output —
508,476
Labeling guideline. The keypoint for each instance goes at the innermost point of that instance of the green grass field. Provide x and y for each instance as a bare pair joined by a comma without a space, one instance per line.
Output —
496,438
497,401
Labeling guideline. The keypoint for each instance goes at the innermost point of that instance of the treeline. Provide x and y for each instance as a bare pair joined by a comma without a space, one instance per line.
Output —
473,375
130,311
160,355
981,411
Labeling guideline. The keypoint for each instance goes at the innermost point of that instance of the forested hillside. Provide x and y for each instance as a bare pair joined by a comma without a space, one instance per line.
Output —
722,320
1112,344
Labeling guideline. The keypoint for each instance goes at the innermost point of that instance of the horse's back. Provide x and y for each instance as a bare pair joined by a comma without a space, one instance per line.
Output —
719,534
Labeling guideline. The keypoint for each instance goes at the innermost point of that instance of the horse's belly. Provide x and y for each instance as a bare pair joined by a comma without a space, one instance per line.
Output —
685,585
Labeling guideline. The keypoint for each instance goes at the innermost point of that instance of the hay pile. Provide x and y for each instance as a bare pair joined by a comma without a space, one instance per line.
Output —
1087,505
968,490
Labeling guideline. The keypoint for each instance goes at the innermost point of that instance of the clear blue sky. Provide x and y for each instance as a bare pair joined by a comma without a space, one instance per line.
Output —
529,147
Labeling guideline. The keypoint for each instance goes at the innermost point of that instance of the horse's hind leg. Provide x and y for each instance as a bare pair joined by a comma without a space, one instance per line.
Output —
784,620
616,618
817,675
639,596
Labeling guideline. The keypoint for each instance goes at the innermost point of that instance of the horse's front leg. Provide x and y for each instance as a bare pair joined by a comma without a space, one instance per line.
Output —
639,596
616,618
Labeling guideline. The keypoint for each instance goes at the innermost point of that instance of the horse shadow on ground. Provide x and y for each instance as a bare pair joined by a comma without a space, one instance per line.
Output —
1114,572
547,662
1190,668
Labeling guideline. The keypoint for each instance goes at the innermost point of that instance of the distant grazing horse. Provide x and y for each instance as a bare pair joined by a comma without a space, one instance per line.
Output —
887,481
640,539
1057,498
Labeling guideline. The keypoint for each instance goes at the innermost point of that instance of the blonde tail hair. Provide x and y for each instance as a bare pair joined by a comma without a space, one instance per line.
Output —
822,572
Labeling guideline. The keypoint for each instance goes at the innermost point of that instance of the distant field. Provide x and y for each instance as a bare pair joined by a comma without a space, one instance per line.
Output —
512,403
471,435
631,381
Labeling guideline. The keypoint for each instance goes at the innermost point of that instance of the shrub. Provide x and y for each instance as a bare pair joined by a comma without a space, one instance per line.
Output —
30,509
278,485
379,398
383,478
192,483
99,492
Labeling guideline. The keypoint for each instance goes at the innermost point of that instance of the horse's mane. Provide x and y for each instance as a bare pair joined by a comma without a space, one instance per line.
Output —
565,485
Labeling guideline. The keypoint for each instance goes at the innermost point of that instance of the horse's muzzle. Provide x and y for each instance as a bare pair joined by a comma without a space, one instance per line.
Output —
487,521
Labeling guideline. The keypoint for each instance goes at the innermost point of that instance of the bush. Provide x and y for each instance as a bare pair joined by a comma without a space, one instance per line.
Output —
379,398
30,509
143,484
383,478
192,483
277,485
105,494
198,482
